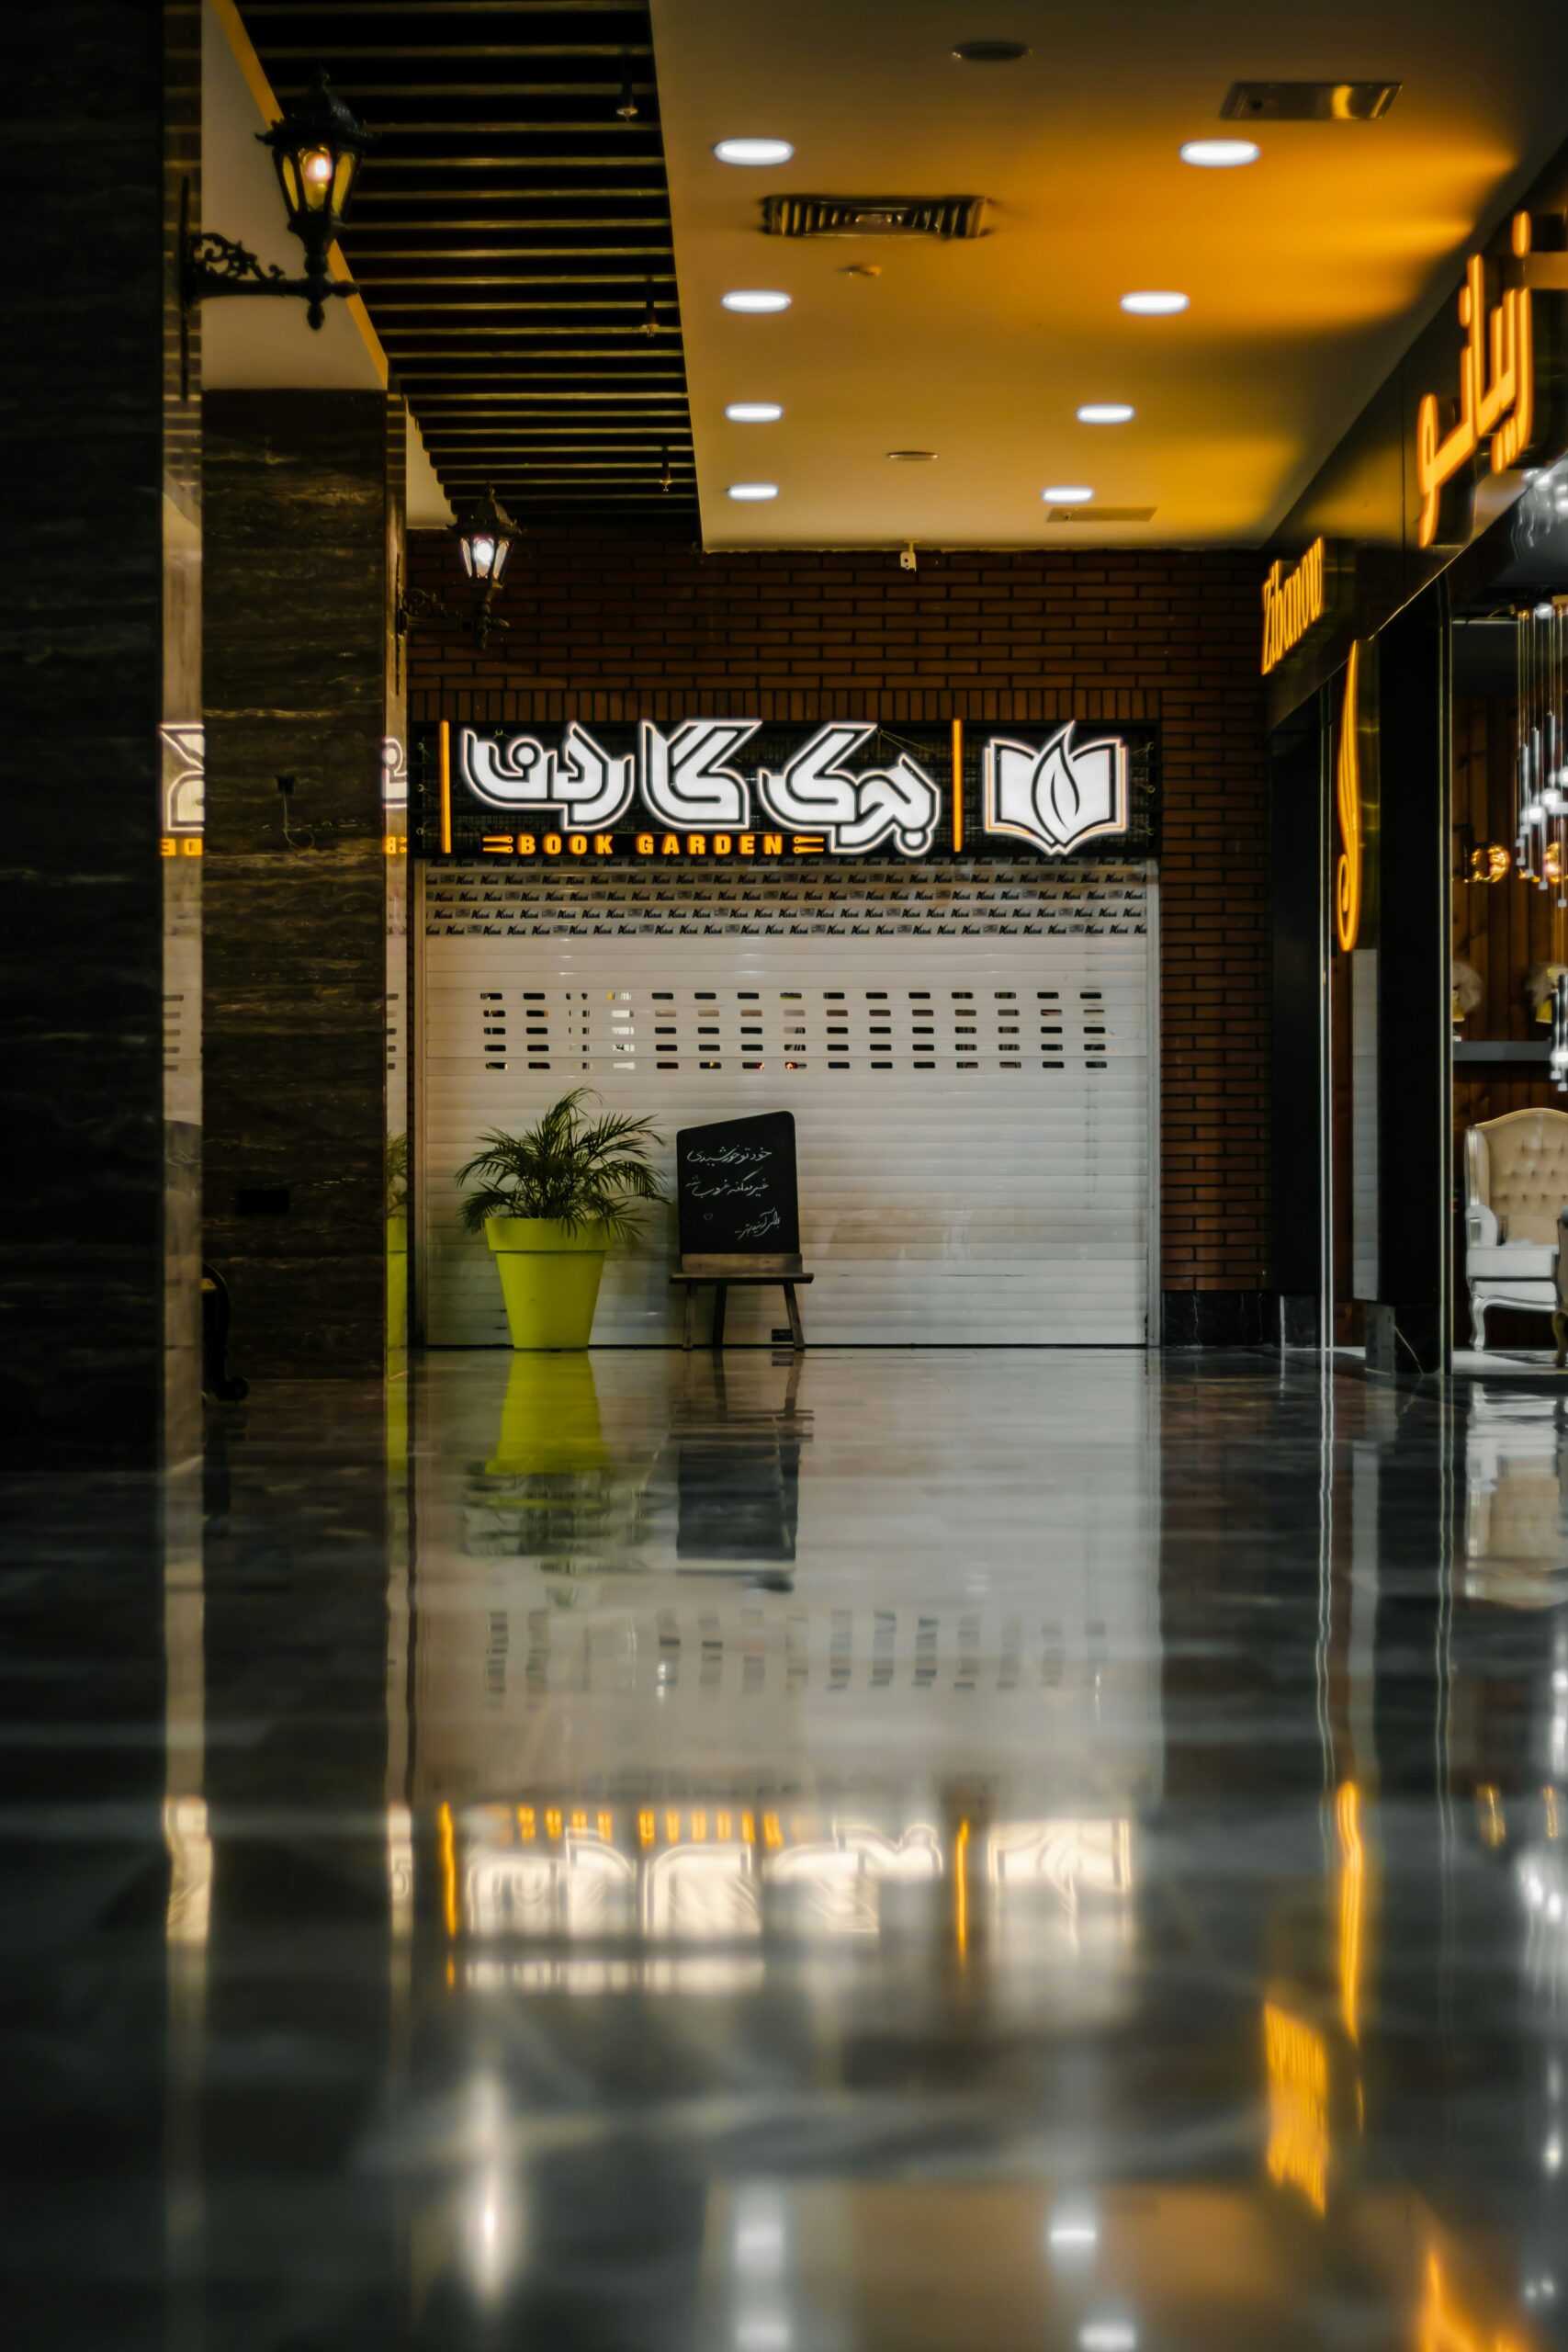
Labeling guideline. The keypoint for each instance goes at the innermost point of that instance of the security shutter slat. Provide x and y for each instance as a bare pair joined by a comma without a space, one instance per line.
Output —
972,1101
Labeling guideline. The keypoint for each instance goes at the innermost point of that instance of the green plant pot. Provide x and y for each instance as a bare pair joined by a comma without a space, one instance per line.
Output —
549,1279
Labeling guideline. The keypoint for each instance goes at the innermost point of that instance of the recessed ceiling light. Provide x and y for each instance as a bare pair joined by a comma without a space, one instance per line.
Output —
753,150
911,456
1220,154
755,298
1106,413
753,490
1154,305
860,269
990,53
1072,493
754,412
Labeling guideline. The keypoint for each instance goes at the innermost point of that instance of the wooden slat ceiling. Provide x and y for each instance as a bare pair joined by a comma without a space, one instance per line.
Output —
510,231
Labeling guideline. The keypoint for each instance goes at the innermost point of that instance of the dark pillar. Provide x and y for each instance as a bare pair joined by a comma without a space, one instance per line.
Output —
1297,863
99,1312
301,507
1407,1328
101,648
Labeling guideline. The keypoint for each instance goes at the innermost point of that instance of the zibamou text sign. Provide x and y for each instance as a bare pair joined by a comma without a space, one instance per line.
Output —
752,789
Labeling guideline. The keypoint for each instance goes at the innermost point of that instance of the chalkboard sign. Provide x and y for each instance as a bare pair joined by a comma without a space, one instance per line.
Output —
735,1187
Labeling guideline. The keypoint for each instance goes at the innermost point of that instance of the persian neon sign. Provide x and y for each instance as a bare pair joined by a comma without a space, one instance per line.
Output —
1496,388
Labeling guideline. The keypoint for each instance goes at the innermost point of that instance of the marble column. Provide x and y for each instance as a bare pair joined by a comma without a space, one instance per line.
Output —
302,495
99,1303
101,648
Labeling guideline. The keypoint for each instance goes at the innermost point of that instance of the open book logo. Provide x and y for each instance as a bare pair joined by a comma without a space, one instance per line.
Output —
184,777
1057,795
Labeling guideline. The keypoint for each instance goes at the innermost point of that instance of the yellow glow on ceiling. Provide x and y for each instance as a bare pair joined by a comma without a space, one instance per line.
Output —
1309,271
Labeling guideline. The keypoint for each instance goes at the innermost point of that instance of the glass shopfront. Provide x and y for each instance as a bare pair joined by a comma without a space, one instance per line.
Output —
1416,679
1509,975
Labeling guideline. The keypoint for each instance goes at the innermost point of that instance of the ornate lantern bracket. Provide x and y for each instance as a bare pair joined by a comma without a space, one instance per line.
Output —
317,149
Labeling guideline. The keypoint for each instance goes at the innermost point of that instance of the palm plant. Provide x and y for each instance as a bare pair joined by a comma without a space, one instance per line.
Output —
569,1168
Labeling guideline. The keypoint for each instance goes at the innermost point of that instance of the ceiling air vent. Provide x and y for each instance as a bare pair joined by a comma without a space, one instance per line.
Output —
873,216
1308,101
1100,514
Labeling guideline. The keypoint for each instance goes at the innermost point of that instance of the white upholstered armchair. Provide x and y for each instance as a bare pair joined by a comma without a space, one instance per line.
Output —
1515,1187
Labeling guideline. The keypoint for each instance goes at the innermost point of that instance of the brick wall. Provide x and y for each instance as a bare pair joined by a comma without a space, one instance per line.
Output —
611,624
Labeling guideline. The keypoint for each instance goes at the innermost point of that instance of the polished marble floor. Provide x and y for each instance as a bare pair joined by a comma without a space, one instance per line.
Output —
895,1852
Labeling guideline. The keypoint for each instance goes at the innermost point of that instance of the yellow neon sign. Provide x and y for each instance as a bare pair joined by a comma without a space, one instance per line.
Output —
1347,790
1496,388
1291,604
710,845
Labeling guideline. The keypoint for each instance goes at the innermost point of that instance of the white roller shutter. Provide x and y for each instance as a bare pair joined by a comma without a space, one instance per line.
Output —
966,1049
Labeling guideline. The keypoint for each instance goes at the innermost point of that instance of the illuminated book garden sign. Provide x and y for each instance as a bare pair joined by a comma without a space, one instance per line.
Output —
753,789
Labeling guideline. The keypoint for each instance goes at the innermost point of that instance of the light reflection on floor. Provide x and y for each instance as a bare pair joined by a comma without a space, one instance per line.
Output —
900,1849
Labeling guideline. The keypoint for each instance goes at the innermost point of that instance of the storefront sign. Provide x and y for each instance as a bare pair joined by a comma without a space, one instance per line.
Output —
1348,791
1356,800
1292,603
1496,388
748,788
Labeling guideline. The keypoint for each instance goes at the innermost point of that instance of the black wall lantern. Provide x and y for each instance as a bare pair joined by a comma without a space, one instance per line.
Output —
484,532
316,149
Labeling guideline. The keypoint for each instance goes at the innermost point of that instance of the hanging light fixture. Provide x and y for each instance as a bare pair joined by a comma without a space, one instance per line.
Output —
1540,748
666,478
1541,796
317,149
1489,862
484,532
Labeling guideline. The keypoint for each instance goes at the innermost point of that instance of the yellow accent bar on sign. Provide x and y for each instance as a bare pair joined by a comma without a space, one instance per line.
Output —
958,785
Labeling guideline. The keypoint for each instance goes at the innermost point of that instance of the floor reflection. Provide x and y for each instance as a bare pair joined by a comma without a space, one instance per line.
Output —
1516,1486
883,1851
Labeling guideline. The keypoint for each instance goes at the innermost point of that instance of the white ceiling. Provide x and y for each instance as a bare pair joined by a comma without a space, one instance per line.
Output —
1309,272
249,345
